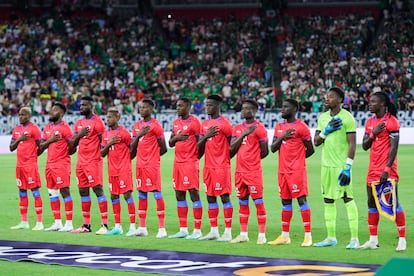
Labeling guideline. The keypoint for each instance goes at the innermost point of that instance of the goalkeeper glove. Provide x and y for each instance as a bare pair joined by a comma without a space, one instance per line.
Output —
345,175
333,125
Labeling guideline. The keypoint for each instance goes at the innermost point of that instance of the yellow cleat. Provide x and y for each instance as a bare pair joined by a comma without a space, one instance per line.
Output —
307,242
280,240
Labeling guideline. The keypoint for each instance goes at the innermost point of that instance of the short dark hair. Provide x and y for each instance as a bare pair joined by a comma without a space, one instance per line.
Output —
338,91
149,101
87,98
60,105
215,97
252,102
185,99
293,102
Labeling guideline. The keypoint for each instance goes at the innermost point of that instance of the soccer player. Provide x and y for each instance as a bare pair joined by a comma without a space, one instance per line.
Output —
148,145
293,140
57,138
336,133
382,138
186,172
116,142
88,135
26,139
214,141
250,143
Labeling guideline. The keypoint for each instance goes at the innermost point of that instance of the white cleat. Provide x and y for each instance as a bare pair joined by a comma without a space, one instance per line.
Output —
161,233
54,227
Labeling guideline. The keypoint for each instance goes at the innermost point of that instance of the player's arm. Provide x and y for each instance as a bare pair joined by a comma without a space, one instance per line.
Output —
176,138
351,138
15,142
277,141
394,141
264,148
236,142
345,175
45,143
105,149
76,138
134,145
370,137
163,145
309,148
333,125
201,145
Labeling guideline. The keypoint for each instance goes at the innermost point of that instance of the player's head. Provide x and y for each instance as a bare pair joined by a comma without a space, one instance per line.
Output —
380,102
213,104
334,97
112,117
289,109
183,107
24,115
56,112
146,107
86,106
249,109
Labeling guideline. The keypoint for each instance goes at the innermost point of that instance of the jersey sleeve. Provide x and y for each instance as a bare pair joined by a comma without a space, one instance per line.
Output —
350,123
393,125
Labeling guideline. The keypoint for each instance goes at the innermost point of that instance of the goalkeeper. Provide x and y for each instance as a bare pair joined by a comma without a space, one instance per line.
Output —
336,132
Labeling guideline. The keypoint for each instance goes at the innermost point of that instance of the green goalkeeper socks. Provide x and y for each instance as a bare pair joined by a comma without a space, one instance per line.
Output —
330,219
352,211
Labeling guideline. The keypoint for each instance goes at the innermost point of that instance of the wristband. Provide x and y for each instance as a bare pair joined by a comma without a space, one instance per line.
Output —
387,169
322,135
349,161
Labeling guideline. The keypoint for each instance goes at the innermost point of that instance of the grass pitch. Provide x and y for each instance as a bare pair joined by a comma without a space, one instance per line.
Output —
388,236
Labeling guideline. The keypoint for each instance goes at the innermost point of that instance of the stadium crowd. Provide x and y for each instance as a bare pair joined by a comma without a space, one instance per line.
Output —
119,61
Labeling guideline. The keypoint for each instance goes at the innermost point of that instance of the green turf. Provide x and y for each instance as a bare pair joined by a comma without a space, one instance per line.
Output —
387,230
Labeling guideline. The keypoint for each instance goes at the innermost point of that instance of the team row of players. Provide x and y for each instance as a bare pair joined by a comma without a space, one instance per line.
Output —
218,142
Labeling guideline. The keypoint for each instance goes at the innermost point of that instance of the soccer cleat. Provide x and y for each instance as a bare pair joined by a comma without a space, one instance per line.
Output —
210,236
226,237
326,242
114,232
102,231
307,242
39,227
402,245
194,236
280,240
369,245
21,225
353,244
142,232
240,239
261,240
179,235
131,232
54,227
161,233
84,228
66,228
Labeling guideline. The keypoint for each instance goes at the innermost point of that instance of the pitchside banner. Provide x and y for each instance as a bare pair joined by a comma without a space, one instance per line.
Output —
269,119
171,262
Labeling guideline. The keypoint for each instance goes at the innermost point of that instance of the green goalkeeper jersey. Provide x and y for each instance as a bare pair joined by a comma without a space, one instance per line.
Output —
335,147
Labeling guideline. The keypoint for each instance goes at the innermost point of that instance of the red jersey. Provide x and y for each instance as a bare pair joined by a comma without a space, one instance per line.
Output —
90,145
58,152
186,151
248,155
380,148
217,150
148,154
119,159
27,150
292,152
